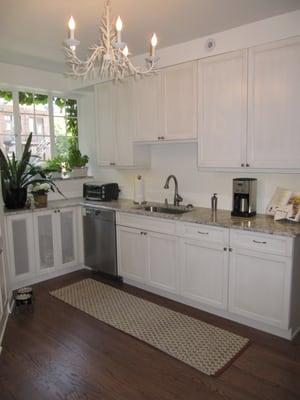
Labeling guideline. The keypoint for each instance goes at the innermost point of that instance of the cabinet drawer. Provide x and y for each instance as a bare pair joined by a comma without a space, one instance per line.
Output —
203,232
146,223
264,243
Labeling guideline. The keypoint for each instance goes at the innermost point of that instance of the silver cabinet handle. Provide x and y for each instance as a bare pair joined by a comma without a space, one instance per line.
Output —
259,242
203,233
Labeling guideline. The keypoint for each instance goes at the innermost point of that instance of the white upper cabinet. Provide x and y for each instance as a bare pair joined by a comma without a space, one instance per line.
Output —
222,110
115,126
105,123
124,123
274,105
179,84
147,108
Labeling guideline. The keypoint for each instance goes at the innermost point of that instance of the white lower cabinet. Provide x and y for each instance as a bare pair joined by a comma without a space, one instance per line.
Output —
245,276
3,290
204,272
132,253
259,286
20,243
162,261
55,239
41,243
148,257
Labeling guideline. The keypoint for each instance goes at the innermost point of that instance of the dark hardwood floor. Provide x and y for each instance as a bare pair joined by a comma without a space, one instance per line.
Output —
58,352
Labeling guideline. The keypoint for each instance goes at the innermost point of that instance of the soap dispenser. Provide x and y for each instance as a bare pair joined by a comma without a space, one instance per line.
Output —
214,202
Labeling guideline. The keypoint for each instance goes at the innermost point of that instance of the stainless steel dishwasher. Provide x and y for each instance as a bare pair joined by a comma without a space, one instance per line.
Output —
100,250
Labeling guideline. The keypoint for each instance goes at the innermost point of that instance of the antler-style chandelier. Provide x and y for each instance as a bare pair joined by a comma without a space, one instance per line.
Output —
109,59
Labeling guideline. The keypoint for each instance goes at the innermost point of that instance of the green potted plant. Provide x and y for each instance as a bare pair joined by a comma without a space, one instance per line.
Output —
76,161
18,175
53,167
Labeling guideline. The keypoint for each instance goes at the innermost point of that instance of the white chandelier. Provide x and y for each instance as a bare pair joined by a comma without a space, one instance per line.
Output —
109,59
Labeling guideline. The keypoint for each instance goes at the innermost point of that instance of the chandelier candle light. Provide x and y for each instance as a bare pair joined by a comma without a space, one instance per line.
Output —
109,59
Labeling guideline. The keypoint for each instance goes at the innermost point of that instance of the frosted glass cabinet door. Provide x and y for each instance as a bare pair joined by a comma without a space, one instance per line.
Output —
68,248
3,289
21,247
44,239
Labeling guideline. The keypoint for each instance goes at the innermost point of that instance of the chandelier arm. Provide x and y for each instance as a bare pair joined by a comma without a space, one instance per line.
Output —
107,59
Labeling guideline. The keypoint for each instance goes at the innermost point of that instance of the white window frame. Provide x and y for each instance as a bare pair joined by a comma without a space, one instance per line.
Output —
17,115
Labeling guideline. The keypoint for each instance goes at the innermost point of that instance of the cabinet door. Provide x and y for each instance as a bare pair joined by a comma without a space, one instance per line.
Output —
105,123
3,287
132,253
44,233
204,272
259,286
20,242
180,101
124,124
274,105
147,108
67,243
222,108
162,261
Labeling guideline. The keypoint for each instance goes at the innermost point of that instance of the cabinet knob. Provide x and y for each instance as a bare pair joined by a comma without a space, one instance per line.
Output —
247,165
242,165
225,248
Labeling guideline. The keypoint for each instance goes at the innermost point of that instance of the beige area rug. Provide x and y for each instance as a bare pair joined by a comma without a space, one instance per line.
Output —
198,344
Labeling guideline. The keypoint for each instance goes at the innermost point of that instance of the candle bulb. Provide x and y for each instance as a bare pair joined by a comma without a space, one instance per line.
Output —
126,51
153,45
119,26
72,26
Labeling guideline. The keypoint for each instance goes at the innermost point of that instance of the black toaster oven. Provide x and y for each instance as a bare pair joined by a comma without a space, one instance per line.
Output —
101,191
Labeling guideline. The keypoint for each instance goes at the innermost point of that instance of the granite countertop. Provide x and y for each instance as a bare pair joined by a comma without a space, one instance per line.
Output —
198,215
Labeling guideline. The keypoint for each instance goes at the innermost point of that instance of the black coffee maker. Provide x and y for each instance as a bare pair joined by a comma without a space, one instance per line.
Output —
244,197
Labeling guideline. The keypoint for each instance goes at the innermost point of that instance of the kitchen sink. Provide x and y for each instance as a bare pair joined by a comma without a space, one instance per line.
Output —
166,210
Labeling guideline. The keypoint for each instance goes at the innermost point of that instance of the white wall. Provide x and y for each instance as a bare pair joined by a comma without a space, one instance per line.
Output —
180,159
12,76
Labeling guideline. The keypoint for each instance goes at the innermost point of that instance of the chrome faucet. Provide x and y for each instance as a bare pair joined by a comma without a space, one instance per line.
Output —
177,197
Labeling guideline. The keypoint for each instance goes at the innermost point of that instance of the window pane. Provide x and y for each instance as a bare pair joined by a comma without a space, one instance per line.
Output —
27,124
38,125
40,146
71,108
59,106
26,103
7,137
41,104
8,144
6,101
60,126
72,127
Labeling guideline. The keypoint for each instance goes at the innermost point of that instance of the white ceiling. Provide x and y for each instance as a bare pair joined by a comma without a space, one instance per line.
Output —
31,31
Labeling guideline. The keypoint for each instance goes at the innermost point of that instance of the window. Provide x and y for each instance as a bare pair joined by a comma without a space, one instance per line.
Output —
7,135
51,120
65,123
34,112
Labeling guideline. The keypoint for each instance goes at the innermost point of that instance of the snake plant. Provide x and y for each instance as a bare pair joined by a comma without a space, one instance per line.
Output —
17,175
